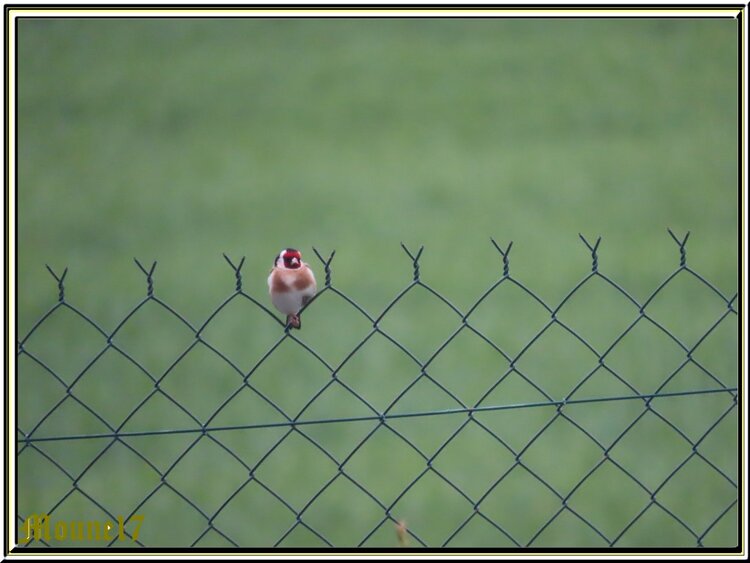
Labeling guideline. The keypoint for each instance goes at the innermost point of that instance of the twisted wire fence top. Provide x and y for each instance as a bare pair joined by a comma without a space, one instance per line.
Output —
512,464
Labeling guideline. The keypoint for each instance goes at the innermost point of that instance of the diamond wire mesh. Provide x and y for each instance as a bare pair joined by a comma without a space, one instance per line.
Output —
478,506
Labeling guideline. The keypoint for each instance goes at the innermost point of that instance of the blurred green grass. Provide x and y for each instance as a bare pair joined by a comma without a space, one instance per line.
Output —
177,140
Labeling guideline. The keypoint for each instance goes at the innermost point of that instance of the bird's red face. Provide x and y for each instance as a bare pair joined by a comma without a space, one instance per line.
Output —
289,258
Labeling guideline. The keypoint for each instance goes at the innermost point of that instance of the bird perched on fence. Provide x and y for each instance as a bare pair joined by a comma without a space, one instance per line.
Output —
291,285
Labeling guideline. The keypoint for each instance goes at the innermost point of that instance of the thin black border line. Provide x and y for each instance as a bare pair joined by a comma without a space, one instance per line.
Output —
383,7
15,244
741,154
742,352
592,18
540,7
8,134
6,271
276,551
388,7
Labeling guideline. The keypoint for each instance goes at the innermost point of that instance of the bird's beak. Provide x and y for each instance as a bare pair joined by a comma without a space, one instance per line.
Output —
295,261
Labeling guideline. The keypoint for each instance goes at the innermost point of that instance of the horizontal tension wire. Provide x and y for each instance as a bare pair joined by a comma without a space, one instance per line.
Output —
384,417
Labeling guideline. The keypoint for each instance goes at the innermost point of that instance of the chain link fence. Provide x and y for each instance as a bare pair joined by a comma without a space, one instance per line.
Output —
522,428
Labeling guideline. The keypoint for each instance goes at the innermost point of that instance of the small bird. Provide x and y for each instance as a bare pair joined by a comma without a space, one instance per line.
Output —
291,285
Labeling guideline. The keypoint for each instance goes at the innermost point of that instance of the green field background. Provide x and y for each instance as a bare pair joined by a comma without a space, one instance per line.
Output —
178,140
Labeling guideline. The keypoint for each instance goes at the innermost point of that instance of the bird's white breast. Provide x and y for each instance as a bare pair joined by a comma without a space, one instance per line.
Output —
289,302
